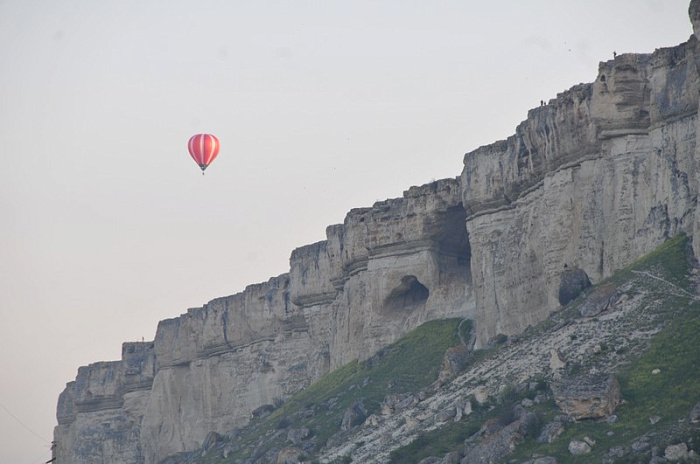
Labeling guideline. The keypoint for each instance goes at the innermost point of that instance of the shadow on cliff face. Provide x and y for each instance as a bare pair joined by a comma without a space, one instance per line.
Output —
448,233
410,294
452,238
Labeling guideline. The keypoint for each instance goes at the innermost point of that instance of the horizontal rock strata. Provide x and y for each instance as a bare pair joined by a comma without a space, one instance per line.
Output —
384,271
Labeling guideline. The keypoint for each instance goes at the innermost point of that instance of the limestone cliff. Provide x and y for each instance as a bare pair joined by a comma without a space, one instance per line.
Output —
99,414
386,270
592,180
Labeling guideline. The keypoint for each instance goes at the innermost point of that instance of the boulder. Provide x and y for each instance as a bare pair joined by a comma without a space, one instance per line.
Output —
556,364
467,407
456,359
588,397
695,414
430,460
453,457
355,415
262,412
494,447
211,440
578,448
481,395
571,283
298,435
676,452
396,402
542,460
599,300
551,431
292,456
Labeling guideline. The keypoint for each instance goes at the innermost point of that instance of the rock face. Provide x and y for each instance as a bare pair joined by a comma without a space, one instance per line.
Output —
598,177
99,414
386,270
590,397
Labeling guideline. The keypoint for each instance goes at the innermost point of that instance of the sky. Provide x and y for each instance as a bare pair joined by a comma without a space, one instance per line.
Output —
108,226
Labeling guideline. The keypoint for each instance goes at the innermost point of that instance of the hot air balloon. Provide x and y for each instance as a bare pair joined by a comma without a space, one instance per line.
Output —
203,149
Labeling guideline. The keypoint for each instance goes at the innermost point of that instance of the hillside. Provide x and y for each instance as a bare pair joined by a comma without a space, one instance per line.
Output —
505,404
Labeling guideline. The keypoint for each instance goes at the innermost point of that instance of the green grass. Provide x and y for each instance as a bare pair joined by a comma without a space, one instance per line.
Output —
451,436
670,394
413,363
437,442
675,351
406,366
668,262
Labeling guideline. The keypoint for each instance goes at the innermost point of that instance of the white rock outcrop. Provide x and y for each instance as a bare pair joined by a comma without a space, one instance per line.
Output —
599,176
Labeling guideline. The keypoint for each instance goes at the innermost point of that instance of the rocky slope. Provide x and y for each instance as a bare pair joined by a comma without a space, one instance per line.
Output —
564,374
598,177
610,378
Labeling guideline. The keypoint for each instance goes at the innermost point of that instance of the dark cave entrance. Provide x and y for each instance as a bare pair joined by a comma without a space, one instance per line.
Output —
453,239
407,296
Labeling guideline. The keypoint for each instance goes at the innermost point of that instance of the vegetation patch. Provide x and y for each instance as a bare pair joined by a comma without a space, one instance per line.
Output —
406,366
649,337
660,385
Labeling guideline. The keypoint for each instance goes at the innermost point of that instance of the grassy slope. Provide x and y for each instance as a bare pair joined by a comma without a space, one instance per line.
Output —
675,351
407,366
413,363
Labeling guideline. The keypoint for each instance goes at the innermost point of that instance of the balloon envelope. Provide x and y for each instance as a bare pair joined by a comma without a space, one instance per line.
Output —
203,149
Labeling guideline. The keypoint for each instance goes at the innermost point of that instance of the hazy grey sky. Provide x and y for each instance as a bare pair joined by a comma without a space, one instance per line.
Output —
320,106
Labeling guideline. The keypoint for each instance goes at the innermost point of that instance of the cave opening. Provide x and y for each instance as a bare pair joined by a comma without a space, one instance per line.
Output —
453,239
407,296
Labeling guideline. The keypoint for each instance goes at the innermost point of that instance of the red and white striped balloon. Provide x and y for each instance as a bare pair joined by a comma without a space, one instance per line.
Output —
203,149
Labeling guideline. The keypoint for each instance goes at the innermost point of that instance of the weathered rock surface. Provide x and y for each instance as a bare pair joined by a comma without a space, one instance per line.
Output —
676,452
600,175
552,430
695,414
577,447
100,413
542,460
494,445
587,397
291,456
599,300
456,358
355,415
